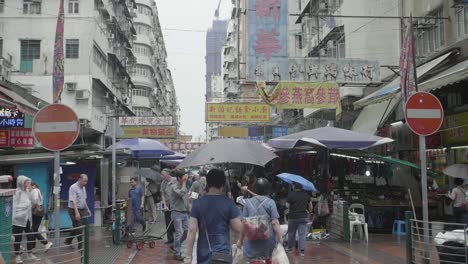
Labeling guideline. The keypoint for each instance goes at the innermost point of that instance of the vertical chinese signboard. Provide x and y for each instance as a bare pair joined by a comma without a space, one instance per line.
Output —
267,28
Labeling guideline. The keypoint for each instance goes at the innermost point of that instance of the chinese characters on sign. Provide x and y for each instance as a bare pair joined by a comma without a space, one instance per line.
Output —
454,130
289,95
182,147
226,112
149,132
267,35
316,70
17,138
145,121
11,118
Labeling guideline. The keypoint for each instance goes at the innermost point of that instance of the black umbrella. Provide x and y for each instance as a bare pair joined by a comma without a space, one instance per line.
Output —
229,151
150,174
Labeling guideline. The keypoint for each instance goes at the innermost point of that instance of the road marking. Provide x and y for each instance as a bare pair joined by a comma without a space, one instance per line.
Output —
51,127
424,113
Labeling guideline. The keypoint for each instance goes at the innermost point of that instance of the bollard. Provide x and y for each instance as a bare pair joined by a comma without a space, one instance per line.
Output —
117,226
409,237
85,222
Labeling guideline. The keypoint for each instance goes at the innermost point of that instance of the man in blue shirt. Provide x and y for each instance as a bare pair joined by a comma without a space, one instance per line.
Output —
213,214
136,196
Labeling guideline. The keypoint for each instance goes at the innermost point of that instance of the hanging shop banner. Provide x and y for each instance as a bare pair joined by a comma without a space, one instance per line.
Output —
237,132
21,138
267,29
291,95
317,70
11,118
455,129
149,132
4,138
242,112
184,146
145,121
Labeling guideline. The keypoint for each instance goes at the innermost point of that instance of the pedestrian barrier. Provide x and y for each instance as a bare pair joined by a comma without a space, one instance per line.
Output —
59,253
445,243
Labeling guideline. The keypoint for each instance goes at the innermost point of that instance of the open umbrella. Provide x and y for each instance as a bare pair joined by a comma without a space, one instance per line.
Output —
290,178
457,171
330,138
175,156
150,174
143,148
229,151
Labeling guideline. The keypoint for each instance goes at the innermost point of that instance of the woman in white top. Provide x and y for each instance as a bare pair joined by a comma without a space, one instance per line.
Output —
458,196
37,214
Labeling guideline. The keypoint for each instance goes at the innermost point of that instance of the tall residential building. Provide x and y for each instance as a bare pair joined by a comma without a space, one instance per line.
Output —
215,39
154,92
98,39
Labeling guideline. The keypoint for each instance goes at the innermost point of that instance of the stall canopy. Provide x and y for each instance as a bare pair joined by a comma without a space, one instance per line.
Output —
330,138
142,148
389,90
372,116
452,75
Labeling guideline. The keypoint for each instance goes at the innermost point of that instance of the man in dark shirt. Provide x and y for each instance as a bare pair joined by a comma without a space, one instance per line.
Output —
299,208
136,196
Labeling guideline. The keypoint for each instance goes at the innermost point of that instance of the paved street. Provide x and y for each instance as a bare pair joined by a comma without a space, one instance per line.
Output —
381,249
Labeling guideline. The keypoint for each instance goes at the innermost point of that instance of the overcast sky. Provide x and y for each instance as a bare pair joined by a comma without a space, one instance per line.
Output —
186,52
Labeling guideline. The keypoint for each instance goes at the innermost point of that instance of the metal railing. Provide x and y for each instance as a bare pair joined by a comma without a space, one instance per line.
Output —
61,253
445,243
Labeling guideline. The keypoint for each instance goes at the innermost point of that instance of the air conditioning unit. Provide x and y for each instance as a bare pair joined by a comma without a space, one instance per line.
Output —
82,95
323,7
71,86
110,36
85,123
106,95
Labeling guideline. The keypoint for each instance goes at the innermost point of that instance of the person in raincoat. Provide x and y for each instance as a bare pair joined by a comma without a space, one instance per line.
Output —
22,218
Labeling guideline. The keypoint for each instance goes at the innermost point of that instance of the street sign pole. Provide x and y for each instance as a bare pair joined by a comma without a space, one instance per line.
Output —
114,161
57,200
422,155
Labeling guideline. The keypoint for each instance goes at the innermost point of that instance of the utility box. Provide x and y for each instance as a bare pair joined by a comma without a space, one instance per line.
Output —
6,211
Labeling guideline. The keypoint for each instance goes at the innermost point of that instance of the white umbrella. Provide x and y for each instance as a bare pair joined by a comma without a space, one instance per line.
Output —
457,171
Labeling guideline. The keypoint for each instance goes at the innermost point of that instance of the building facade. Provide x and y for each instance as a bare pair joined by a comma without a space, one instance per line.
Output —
215,39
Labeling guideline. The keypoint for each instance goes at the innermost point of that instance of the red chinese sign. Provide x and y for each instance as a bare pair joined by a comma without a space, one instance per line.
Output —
149,132
292,95
242,112
17,138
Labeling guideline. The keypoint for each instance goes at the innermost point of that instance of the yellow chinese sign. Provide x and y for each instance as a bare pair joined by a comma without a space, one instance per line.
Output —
293,95
239,132
455,129
242,112
149,132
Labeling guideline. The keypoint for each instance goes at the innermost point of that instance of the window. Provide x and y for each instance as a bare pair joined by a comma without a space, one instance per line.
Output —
73,7
2,5
141,70
31,7
143,29
140,92
30,50
144,10
72,49
99,59
142,111
430,33
142,50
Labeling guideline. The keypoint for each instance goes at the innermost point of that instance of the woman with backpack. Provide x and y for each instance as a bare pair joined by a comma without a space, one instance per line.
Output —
458,195
261,232
37,215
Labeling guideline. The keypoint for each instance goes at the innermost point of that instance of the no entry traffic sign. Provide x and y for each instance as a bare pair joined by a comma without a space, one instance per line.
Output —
424,113
56,127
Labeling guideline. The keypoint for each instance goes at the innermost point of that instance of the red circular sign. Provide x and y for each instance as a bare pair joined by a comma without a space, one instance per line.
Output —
424,113
56,127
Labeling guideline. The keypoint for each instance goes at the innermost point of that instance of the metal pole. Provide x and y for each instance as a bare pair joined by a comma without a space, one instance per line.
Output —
57,200
422,153
114,160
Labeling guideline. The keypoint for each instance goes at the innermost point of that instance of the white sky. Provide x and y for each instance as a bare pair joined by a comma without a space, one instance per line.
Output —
186,52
